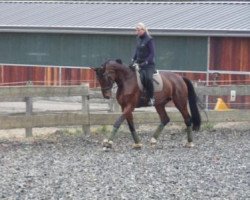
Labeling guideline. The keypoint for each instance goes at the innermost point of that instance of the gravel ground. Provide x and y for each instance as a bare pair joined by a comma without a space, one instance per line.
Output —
66,165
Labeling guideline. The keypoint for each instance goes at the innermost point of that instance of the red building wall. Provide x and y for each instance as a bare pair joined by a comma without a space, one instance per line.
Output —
19,75
231,54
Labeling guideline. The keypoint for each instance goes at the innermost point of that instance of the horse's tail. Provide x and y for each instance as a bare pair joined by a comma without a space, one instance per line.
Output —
192,98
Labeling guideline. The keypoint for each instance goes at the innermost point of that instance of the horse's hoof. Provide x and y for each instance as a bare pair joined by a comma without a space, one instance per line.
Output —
153,141
137,146
189,144
106,149
107,144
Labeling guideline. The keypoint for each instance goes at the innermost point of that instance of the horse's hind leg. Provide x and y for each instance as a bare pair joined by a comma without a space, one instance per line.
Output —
164,120
188,121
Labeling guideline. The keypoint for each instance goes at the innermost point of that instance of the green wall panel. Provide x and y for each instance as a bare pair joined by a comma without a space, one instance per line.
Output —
173,53
182,53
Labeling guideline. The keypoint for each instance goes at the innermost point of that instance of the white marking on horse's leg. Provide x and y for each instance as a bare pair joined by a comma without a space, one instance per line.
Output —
107,143
189,144
137,146
153,141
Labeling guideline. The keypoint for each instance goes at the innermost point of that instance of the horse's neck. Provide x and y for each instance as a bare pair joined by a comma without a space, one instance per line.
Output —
126,81
124,75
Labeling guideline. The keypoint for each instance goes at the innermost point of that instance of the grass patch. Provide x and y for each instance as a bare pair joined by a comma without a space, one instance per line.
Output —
102,129
208,126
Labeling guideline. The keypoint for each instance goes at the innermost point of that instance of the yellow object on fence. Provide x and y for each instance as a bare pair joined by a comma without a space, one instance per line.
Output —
221,105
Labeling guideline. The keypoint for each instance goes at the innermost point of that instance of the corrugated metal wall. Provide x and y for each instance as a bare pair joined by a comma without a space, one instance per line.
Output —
173,53
62,49
180,53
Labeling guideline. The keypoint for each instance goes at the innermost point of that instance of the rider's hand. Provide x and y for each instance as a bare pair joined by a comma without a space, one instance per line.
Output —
132,65
143,64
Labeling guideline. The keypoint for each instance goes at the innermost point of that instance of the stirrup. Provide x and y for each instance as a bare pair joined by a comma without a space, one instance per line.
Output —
151,102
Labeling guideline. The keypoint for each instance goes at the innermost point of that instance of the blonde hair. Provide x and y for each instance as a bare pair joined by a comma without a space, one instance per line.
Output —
142,26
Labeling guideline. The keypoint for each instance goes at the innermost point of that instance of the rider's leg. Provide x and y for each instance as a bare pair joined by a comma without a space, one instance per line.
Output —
150,87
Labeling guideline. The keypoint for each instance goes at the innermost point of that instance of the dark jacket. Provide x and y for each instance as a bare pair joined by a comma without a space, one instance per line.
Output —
145,51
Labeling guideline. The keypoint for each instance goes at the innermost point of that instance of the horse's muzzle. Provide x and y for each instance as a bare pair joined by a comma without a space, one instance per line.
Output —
106,97
107,94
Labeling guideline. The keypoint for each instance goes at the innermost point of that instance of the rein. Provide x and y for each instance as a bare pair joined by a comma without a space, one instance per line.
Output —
107,88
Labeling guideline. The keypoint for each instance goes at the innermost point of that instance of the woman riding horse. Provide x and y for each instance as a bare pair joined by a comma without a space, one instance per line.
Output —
176,88
144,56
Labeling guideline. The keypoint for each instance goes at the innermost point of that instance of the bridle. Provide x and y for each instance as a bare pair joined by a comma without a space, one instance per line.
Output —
110,82
107,88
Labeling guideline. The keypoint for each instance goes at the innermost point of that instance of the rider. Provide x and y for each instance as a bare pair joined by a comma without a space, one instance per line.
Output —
144,56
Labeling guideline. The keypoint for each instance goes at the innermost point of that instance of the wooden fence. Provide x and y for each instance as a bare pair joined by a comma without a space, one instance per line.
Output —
232,95
31,119
86,118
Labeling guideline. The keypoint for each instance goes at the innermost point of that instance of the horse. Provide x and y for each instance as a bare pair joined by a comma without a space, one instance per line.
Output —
175,87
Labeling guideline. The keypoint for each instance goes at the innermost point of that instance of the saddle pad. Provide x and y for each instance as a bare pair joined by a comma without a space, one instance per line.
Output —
157,81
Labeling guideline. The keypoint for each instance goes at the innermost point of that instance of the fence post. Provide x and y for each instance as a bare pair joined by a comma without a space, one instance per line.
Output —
29,110
85,109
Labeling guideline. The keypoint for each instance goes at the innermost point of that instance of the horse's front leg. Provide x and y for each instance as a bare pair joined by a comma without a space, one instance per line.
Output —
107,143
127,114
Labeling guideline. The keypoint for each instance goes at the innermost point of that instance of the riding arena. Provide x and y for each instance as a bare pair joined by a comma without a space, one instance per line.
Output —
74,118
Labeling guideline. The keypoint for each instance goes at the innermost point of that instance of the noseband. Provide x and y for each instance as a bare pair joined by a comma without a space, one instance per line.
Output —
107,88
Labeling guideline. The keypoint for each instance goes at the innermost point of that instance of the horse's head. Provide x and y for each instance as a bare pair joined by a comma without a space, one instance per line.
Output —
110,72
105,81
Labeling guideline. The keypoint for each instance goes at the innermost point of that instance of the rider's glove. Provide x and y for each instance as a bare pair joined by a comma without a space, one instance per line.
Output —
133,65
143,64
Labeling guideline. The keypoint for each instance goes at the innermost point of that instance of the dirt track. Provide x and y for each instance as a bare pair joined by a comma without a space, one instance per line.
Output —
66,165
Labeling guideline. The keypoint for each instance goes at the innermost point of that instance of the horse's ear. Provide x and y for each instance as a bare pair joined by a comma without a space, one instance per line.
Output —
97,69
119,61
93,68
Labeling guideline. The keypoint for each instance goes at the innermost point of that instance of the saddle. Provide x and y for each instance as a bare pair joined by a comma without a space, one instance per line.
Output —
157,80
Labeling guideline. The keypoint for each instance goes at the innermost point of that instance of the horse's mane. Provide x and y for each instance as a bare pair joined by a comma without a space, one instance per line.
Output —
115,63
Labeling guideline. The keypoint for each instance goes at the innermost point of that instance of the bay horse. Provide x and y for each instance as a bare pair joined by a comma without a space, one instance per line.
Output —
176,88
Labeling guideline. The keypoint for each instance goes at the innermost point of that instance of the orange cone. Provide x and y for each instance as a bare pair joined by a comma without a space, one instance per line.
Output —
221,105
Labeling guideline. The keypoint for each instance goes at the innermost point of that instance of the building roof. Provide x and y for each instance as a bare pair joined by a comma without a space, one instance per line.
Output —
162,18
